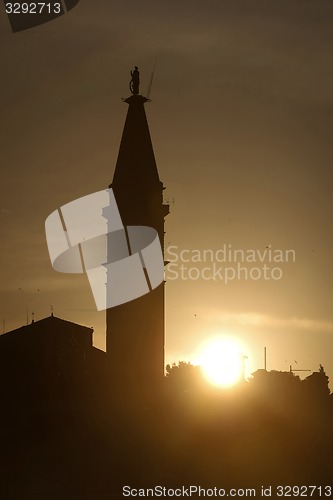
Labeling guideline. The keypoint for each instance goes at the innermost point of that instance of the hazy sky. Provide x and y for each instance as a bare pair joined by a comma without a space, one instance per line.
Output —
241,120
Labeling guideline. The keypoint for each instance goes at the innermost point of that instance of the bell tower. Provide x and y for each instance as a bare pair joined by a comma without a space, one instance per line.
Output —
135,330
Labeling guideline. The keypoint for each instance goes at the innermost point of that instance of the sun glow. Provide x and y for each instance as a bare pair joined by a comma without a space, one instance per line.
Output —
222,361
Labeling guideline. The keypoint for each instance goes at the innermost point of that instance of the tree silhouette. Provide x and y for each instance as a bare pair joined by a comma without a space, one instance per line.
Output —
317,384
183,377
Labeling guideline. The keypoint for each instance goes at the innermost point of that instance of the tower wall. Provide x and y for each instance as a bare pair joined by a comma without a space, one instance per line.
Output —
135,330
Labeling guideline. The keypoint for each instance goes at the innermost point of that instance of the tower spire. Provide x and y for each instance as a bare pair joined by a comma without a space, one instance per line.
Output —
136,165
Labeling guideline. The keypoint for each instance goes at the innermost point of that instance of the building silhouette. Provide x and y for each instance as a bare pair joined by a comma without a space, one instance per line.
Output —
44,366
135,330
52,363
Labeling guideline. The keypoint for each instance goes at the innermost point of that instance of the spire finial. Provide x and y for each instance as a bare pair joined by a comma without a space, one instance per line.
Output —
135,81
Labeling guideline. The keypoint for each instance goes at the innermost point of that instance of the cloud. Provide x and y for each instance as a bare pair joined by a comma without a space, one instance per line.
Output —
258,320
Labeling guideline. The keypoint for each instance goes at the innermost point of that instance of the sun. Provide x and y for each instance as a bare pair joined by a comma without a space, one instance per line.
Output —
222,361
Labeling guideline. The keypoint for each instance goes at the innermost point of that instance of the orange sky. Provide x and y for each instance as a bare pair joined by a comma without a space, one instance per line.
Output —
240,121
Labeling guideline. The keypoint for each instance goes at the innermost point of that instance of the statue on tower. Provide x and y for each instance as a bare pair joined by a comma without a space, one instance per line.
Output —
135,81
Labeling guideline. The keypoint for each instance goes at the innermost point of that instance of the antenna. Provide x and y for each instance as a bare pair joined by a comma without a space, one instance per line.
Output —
151,80
32,317
291,369
51,310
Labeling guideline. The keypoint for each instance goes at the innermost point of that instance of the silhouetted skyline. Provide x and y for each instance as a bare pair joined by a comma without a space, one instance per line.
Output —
61,411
